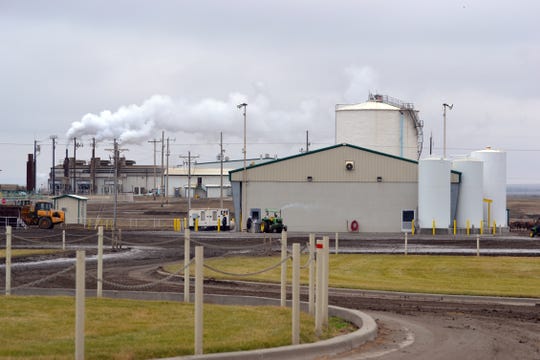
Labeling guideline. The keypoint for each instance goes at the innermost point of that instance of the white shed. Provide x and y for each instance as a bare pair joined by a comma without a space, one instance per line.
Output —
74,207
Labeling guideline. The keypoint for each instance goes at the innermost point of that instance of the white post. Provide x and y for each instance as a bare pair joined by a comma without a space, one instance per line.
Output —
296,294
477,245
337,243
63,239
100,263
311,285
8,260
283,269
79,305
199,277
187,256
326,268
318,299
406,243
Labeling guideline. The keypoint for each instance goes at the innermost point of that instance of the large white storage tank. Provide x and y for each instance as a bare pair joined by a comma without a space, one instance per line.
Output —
382,124
470,198
434,176
494,184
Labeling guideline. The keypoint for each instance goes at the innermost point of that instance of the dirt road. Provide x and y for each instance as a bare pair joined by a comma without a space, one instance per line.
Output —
411,327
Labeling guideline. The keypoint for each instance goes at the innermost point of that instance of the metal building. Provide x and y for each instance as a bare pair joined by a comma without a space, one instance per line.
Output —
74,207
382,124
335,189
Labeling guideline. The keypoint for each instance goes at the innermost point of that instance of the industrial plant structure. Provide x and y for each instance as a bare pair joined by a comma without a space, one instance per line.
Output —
383,124
374,180
97,177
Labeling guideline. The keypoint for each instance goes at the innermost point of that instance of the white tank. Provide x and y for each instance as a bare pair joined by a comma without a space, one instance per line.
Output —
470,203
434,193
378,126
494,184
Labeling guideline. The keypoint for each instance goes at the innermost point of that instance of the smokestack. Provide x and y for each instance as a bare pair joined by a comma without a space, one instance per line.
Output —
30,174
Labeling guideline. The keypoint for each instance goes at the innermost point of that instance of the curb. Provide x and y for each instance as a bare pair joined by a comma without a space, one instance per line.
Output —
367,328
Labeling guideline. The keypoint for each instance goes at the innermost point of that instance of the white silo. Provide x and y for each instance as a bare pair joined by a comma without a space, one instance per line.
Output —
470,198
382,124
434,193
494,185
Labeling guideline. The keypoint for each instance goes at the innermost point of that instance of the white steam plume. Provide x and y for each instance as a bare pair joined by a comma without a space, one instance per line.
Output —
361,81
134,124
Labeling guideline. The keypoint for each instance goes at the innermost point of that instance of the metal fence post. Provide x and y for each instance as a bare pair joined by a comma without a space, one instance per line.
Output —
406,243
283,268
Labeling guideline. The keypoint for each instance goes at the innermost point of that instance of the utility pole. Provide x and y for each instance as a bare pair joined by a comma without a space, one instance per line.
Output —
53,175
221,151
307,141
75,146
162,187
167,167
189,157
155,175
116,158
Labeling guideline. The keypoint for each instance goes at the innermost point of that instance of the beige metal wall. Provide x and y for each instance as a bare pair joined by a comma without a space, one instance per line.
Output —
335,196
329,166
331,207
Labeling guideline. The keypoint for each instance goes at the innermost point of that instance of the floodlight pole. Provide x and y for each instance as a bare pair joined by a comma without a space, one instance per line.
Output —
244,174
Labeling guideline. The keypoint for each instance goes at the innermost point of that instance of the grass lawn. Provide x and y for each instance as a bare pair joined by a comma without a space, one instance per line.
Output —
467,275
43,328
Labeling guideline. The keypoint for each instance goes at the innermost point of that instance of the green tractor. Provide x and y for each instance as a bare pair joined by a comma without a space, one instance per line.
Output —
272,222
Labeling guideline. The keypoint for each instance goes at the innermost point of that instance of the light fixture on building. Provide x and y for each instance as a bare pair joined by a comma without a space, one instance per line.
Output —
379,178
310,178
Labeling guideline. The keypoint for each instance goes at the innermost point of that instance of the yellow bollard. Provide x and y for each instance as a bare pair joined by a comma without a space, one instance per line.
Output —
412,227
481,227
433,228
455,226
468,227
219,223
494,227
197,224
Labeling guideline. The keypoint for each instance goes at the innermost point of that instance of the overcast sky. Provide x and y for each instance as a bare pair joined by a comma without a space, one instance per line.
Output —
132,69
